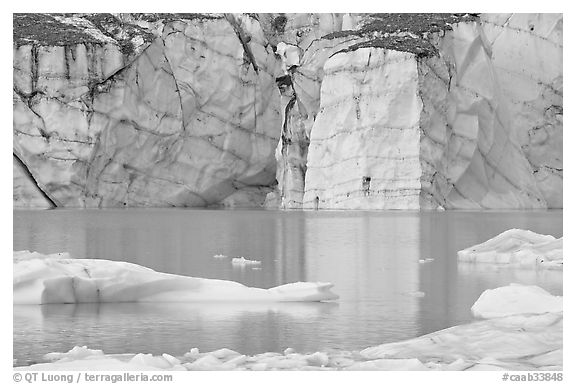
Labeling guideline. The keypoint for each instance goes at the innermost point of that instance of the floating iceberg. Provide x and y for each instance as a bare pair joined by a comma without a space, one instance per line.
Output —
518,247
515,299
43,279
520,340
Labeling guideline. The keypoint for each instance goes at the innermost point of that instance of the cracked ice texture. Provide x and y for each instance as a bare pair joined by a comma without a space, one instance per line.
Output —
190,122
26,193
367,127
527,52
469,151
433,131
301,109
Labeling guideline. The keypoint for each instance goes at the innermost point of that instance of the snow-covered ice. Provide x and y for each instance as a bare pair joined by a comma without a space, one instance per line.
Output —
42,279
523,338
517,247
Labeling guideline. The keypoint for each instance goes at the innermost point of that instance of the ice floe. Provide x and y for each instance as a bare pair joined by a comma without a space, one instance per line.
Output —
76,353
43,279
517,247
522,338
515,299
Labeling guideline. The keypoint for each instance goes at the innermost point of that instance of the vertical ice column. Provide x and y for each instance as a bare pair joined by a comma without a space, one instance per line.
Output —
367,129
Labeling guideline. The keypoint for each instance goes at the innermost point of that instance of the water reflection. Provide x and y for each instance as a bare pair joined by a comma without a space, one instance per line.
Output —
371,257
374,263
162,327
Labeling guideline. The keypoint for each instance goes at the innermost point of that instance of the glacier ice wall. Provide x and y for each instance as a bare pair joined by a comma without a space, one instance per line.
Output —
190,121
344,111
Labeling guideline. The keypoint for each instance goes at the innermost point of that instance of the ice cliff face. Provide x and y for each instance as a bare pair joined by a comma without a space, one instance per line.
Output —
190,121
421,121
529,72
317,110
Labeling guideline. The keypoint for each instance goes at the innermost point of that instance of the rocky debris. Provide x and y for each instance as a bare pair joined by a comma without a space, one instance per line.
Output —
47,30
418,24
71,29
404,32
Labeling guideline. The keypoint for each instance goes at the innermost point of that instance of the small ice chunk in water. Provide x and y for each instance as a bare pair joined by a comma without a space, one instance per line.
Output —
426,260
205,362
76,353
318,359
243,261
148,360
220,256
235,361
171,359
224,353
416,294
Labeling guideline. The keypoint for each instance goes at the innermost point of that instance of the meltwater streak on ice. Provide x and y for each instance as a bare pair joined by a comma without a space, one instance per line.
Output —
371,257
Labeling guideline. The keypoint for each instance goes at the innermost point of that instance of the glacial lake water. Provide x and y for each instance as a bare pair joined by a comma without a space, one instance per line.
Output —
371,257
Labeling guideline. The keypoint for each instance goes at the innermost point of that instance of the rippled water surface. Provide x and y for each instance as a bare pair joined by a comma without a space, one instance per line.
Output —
371,257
